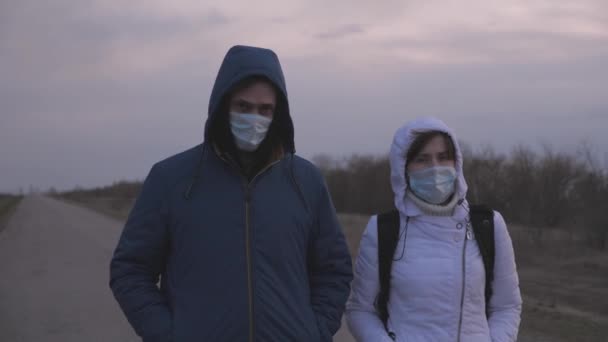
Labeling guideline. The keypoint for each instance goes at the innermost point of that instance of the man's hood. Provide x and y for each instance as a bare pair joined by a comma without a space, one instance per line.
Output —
242,62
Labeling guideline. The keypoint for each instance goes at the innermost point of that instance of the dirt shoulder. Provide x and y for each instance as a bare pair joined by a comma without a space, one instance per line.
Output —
8,204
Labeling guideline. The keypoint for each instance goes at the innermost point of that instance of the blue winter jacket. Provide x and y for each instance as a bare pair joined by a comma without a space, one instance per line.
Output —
238,259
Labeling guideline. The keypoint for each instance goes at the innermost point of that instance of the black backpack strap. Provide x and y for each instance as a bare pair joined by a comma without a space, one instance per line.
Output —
482,219
388,236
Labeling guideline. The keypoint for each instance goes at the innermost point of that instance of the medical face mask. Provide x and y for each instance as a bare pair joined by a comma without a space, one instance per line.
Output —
434,184
249,130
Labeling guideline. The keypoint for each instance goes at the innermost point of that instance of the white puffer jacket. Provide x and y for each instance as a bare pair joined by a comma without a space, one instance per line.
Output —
438,279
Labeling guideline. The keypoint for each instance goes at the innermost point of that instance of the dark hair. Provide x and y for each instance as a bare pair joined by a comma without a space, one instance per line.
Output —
422,138
248,82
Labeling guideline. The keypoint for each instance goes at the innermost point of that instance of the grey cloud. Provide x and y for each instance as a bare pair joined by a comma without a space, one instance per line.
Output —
60,127
594,11
281,19
341,32
217,17
51,41
504,46
500,104
44,62
143,26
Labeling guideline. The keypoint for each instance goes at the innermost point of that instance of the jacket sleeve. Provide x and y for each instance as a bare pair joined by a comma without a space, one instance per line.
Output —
138,261
361,315
505,303
330,268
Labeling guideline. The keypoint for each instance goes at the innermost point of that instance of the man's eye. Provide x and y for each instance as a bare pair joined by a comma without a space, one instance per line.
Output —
266,110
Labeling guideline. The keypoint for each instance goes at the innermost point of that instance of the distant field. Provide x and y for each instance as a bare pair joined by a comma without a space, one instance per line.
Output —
564,285
7,204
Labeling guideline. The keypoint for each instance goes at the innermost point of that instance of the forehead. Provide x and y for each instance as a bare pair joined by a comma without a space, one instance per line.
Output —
434,145
257,91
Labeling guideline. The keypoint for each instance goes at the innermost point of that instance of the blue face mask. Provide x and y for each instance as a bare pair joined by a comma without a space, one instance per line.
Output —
249,130
434,184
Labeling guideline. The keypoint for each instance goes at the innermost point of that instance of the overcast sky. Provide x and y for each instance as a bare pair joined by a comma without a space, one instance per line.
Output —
94,91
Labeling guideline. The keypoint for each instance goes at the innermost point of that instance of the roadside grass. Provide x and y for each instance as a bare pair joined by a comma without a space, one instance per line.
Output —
8,204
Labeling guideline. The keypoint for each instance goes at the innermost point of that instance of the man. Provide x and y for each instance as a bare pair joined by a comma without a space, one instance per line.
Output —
241,231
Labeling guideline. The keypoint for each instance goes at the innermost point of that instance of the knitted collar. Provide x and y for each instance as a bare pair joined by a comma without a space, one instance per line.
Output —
430,209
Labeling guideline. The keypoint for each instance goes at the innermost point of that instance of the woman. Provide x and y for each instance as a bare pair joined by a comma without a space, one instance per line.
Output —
437,283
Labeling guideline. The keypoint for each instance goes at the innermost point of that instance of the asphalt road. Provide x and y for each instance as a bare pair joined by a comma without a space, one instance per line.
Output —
54,260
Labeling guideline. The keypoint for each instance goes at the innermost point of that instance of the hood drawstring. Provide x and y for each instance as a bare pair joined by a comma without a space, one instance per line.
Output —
296,184
197,172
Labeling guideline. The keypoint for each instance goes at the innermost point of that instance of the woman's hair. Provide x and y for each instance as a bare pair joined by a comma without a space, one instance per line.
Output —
423,138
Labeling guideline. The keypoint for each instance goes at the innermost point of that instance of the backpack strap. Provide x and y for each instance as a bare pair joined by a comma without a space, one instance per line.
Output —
482,219
388,236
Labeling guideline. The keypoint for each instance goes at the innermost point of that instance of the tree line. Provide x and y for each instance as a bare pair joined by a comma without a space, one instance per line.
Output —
542,189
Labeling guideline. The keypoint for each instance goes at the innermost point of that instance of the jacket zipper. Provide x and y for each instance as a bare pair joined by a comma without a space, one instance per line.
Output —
248,250
246,186
464,249
248,260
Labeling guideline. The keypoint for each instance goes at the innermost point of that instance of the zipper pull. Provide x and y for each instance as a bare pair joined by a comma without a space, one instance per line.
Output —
469,234
247,194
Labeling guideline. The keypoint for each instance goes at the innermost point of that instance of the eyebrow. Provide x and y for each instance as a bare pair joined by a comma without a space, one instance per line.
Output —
242,102
429,154
245,102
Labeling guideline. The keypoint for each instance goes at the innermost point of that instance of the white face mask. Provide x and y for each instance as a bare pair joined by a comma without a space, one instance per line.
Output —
249,130
434,184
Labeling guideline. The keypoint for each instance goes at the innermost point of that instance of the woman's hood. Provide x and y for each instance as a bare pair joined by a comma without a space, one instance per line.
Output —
402,142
